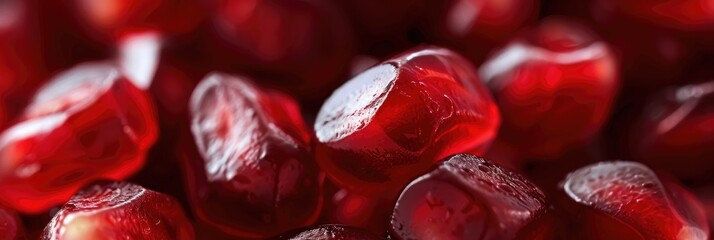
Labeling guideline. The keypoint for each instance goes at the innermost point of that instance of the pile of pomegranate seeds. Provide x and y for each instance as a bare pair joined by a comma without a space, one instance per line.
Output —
357,119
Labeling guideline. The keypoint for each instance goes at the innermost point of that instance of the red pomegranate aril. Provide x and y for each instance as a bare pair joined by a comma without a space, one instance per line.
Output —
115,16
87,123
628,199
333,232
397,119
253,175
554,86
119,210
676,131
299,46
10,225
467,197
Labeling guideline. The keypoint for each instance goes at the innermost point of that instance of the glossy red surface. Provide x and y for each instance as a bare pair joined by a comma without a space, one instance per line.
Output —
333,232
554,86
395,120
676,131
119,210
85,124
253,175
627,199
467,197
302,47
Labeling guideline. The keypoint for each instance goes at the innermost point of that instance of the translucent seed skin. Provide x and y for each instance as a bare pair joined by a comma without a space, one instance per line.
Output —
629,198
250,171
467,197
87,123
119,210
397,119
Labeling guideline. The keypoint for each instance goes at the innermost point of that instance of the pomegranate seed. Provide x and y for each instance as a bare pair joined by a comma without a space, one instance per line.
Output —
555,85
119,210
333,232
300,46
10,225
395,120
467,197
628,200
253,175
676,131
85,124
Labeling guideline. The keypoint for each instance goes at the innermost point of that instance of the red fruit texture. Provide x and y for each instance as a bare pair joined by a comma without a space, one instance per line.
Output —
467,197
676,131
10,225
86,123
300,46
333,232
395,120
119,210
253,175
555,87
628,200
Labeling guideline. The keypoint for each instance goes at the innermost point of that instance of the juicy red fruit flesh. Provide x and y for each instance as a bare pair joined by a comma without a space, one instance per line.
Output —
253,175
467,197
88,123
119,210
555,85
395,120
628,199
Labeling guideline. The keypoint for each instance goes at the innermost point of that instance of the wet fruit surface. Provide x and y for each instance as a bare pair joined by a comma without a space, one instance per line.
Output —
333,232
87,123
676,130
629,199
395,120
555,85
253,175
119,210
467,197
